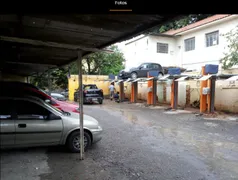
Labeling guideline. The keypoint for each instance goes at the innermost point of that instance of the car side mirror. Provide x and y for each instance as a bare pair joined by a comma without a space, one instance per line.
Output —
140,67
52,116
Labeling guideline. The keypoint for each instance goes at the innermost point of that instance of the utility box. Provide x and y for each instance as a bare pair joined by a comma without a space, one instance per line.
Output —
206,90
174,71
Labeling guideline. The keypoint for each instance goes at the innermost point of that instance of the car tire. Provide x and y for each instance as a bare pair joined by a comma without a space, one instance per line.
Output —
74,141
100,101
133,75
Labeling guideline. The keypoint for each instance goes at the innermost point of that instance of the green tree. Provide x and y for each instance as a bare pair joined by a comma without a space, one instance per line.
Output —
101,63
58,79
184,21
230,58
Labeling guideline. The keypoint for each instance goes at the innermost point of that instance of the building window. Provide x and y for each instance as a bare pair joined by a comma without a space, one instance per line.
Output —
162,48
189,44
212,38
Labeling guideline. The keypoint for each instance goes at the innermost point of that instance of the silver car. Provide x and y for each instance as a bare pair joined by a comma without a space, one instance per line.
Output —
29,121
58,96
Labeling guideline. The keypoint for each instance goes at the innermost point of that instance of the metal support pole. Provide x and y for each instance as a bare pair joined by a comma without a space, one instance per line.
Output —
154,90
121,91
132,92
212,94
80,79
135,91
175,95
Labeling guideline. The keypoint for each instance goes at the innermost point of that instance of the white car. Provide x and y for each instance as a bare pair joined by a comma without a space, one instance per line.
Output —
28,121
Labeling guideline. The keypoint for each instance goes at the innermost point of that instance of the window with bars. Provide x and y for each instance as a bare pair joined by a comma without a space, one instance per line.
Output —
162,48
212,38
189,44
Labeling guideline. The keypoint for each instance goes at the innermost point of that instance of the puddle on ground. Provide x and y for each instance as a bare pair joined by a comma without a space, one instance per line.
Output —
178,112
134,119
131,117
220,156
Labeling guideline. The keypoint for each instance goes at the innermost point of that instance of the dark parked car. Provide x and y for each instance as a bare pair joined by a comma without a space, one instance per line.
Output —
141,71
91,94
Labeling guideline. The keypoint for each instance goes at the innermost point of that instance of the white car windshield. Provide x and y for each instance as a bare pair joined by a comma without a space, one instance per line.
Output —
53,107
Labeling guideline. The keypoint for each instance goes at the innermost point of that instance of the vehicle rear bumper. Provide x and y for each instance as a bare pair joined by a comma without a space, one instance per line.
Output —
92,99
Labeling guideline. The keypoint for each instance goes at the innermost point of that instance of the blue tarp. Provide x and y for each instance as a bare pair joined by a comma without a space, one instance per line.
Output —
211,69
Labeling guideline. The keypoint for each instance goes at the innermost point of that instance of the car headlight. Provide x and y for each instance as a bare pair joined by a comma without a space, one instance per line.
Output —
99,127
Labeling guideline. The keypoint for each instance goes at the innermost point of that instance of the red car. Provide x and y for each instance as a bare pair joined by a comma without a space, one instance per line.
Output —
19,88
62,105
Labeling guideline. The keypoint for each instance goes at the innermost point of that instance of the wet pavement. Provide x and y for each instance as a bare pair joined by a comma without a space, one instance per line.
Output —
138,143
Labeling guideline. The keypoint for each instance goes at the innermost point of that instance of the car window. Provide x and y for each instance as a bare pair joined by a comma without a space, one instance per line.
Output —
145,66
156,66
90,87
6,109
27,110
150,66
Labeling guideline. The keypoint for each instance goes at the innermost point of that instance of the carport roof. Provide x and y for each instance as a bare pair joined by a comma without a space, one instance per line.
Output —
33,43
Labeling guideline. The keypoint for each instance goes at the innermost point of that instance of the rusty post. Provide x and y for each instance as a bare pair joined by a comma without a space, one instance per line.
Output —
132,92
203,98
150,94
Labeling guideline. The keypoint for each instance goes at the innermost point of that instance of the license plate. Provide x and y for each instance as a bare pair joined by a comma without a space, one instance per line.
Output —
95,99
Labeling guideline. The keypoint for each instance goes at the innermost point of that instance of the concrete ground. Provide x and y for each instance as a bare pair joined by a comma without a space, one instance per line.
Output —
138,143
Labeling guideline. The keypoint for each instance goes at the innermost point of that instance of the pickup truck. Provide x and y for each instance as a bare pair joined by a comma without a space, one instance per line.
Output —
91,94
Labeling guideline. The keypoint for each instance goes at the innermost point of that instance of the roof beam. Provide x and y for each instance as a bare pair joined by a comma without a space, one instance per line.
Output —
50,44
31,63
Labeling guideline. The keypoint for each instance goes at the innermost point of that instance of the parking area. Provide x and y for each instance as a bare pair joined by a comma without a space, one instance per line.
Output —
138,143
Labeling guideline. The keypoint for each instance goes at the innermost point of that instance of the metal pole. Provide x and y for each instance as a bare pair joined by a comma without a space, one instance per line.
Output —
135,91
212,92
175,95
154,91
121,91
80,79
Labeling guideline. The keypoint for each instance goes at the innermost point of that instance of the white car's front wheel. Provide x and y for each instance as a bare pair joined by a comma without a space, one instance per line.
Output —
73,142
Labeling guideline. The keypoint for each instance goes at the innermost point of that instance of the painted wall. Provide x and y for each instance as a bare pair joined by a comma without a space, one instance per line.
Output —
226,97
205,55
100,80
145,50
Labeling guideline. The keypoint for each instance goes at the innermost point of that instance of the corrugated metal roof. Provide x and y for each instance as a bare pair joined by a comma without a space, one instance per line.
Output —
20,56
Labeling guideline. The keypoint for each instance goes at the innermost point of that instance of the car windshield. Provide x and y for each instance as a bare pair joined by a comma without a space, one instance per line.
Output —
86,87
53,107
